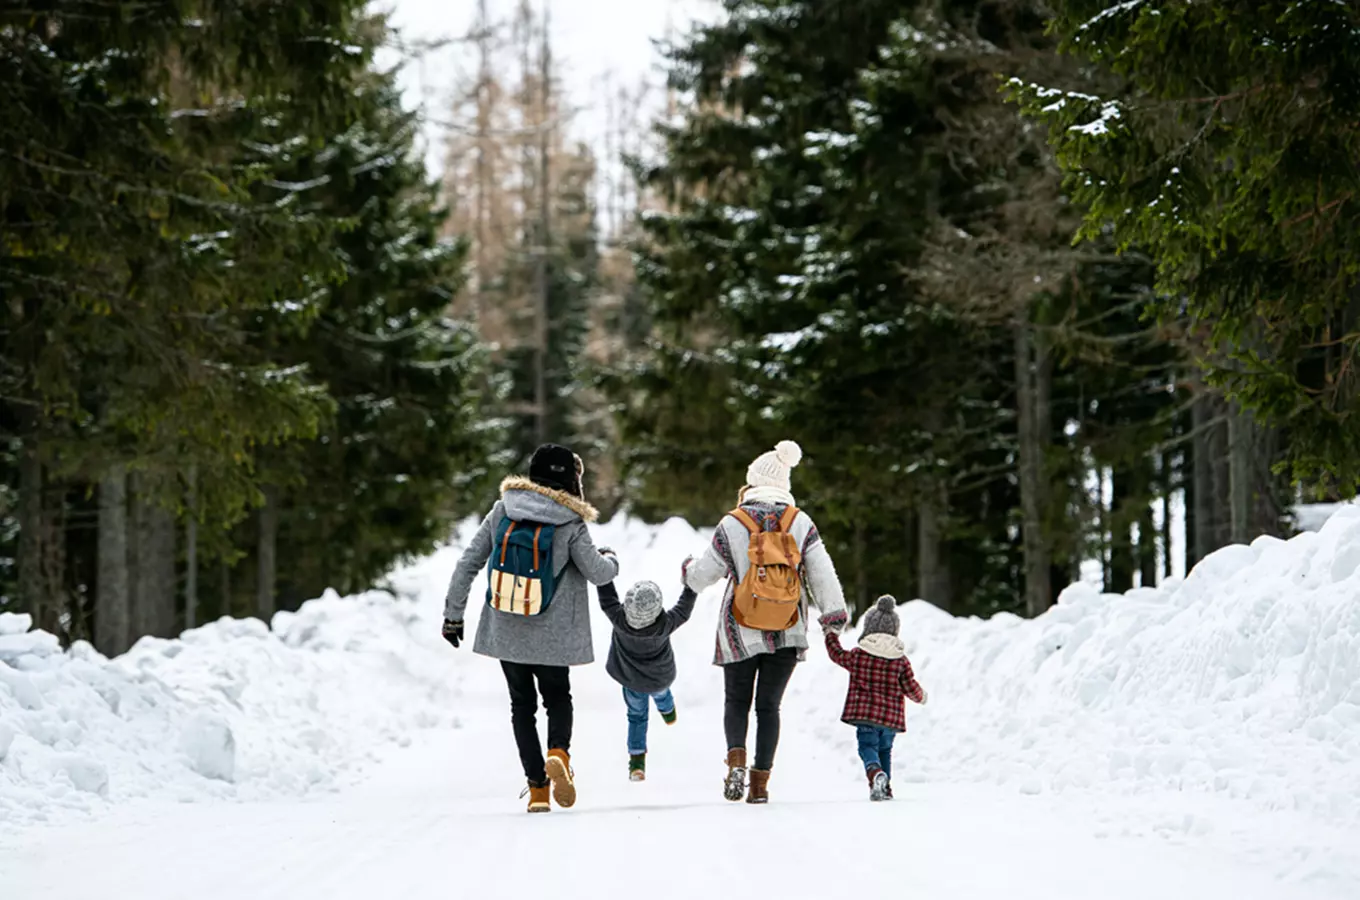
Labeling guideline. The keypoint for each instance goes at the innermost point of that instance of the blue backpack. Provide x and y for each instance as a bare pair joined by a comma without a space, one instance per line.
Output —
520,577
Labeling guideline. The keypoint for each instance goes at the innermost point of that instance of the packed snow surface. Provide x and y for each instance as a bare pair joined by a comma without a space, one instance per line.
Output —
1200,739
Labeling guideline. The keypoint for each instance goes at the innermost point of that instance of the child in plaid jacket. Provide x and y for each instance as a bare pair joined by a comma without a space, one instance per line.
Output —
880,677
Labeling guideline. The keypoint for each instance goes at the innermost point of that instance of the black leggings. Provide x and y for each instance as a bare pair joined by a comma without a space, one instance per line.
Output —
554,682
763,677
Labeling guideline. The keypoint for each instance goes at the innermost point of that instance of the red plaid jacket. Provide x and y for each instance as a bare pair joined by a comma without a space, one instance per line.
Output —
877,686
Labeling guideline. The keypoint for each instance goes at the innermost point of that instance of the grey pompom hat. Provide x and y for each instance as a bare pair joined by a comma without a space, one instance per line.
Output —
642,605
882,619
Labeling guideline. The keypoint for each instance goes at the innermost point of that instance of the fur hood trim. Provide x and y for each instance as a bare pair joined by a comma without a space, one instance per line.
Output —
583,509
884,646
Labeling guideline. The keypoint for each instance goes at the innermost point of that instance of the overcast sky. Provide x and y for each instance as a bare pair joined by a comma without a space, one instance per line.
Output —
590,38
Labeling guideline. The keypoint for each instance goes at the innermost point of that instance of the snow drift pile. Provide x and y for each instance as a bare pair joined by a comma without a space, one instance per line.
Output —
1243,680
231,709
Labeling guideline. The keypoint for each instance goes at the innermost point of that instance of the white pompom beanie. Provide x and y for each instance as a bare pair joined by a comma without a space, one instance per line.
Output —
772,469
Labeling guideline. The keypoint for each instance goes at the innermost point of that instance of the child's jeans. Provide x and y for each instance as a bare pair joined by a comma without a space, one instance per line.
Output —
875,747
639,706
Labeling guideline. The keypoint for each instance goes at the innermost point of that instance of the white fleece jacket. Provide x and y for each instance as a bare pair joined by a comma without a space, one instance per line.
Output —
726,558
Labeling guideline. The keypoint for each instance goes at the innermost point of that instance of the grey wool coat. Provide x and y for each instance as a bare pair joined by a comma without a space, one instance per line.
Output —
560,636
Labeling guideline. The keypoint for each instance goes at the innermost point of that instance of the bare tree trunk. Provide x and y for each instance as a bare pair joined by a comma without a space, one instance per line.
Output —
544,232
32,591
483,174
113,602
1168,485
265,555
54,593
861,573
191,552
151,565
1147,544
1220,505
1119,575
1029,405
935,582
1241,438
224,586
1267,510
1205,535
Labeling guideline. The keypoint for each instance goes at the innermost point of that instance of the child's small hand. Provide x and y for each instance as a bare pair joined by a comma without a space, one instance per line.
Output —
834,622
684,569
924,696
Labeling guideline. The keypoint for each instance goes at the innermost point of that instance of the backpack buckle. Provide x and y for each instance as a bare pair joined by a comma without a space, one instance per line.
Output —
760,573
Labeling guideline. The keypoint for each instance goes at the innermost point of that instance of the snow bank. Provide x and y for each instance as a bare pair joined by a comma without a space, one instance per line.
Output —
1243,680
1241,683
229,710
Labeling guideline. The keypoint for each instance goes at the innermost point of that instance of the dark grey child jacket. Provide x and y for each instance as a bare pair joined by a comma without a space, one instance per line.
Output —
641,659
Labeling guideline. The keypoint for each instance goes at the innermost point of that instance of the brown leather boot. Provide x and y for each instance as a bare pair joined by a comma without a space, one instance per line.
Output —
760,782
562,778
735,784
538,797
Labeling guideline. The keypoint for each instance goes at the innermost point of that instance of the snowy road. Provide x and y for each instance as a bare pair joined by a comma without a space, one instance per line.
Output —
1199,742
441,819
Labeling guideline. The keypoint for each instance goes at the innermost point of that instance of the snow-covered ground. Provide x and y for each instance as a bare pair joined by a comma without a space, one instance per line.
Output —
1200,740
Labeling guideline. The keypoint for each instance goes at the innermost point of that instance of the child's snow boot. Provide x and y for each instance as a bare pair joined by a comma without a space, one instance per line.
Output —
760,782
669,716
637,767
878,784
888,792
538,797
560,774
735,784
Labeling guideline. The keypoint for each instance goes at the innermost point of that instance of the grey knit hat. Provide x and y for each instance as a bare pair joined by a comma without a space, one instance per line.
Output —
882,619
642,604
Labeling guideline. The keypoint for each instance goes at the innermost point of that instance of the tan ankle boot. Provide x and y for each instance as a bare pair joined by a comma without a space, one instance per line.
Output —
562,778
538,798
735,784
760,782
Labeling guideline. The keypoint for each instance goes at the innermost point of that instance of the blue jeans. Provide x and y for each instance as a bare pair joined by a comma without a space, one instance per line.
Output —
875,747
639,707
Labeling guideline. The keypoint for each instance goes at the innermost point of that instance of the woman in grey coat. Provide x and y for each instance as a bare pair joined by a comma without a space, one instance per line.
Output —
535,650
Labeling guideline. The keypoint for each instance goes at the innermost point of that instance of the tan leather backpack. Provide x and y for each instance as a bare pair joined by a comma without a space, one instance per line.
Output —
769,596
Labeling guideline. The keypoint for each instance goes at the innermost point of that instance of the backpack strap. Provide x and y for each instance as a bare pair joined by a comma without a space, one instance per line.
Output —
786,520
505,542
537,532
745,519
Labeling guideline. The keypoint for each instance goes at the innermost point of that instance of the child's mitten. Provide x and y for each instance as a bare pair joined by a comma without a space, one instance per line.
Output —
835,622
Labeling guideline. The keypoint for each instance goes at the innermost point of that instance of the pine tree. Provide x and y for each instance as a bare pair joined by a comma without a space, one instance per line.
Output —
1223,147
864,247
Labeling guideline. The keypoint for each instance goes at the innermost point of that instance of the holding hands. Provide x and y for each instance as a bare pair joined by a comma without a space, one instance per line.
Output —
835,622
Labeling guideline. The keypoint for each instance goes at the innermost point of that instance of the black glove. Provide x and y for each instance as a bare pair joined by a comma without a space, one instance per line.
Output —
453,632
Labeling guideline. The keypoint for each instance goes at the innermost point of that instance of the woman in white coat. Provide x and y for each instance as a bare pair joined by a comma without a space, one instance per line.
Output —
757,665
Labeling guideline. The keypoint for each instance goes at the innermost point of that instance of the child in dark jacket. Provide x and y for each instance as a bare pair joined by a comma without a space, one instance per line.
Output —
641,659
880,677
